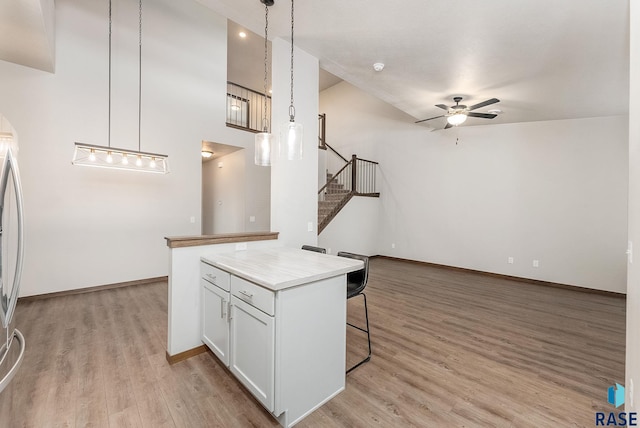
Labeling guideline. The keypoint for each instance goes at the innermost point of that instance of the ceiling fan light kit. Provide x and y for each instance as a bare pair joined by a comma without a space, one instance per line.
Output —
458,113
457,119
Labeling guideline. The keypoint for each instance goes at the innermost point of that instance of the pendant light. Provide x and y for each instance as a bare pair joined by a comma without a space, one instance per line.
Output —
114,158
264,139
291,132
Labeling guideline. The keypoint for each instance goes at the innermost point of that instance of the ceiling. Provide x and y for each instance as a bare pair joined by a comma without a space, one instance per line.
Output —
218,149
245,53
27,33
544,59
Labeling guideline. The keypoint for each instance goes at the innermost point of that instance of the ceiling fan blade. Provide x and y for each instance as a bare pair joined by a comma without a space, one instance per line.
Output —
448,126
424,120
482,115
484,103
442,106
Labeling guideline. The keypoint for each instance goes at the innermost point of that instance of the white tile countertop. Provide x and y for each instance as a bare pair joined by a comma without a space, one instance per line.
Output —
280,268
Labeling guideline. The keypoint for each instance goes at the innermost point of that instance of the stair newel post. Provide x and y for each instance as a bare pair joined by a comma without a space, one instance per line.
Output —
354,179
323,130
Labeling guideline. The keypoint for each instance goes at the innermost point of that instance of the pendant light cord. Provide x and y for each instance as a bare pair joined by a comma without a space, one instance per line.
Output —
265,123
139,70
109,115
292,110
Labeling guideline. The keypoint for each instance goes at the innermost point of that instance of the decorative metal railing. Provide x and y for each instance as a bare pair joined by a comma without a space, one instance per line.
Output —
246,108
356,178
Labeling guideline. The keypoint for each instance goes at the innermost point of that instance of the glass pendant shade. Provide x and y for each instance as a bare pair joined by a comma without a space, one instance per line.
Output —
264,142
457,119
291,141
112,158
291,132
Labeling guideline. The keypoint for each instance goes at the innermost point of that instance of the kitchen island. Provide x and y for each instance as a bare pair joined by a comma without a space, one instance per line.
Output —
277,318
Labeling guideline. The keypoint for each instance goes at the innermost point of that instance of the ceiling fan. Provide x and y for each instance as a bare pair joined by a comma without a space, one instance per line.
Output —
458,113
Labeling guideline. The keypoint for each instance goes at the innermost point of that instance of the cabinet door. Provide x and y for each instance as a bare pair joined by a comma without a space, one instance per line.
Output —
215,323
252,350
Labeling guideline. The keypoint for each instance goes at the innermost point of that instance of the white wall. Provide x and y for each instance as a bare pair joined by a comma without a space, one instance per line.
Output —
257,193
223,186
633,271
354,229
551,191
87,226
294,184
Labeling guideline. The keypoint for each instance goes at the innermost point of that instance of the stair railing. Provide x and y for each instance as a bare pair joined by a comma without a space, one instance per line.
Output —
341,182
364,177
357,176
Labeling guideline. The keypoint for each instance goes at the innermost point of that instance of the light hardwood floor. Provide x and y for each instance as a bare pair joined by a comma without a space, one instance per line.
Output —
450,349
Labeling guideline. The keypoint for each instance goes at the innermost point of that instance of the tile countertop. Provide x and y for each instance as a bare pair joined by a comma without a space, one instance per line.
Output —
280,268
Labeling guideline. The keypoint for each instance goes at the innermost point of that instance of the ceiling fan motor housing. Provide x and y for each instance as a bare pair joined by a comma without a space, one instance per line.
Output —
458,106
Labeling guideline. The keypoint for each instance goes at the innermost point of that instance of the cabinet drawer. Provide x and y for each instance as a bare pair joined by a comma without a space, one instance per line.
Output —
215,276
253,294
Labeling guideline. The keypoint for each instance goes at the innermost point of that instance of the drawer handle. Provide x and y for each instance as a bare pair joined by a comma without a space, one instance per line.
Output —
223,308
211,277
246,294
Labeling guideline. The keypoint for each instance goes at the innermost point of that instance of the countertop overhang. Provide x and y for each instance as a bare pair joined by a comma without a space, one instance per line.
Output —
281,268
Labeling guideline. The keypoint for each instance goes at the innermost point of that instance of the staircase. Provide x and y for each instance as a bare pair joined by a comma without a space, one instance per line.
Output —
335,197
356,178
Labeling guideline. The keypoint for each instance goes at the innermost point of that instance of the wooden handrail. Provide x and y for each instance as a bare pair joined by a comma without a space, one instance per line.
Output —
247,89
365,160
335,151
334,178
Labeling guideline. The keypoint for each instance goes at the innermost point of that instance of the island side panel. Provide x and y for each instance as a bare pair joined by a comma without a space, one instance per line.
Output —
310,346
184,314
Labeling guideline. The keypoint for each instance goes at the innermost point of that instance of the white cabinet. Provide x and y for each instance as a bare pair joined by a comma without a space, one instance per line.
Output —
215,310
252,345
215,321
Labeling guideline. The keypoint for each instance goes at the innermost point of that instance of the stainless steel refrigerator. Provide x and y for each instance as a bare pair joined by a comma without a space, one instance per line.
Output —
12,343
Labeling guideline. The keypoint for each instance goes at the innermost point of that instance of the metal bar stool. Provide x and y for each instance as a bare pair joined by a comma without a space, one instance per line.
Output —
356,283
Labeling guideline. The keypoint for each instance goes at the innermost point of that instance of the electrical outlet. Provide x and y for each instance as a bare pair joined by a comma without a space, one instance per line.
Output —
510,260
393,245
192,219
536,263
252,219
328,250
241,246
310,226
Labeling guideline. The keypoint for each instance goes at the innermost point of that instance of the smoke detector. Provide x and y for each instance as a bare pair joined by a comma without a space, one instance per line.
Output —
378,66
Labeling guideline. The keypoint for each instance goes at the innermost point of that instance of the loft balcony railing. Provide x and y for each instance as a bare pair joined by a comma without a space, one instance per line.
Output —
245,108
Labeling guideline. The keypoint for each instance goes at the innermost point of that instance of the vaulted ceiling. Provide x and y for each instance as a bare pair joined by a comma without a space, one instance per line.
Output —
27,33
544,59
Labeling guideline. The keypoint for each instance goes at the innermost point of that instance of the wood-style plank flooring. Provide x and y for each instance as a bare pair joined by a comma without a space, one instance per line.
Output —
450,349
